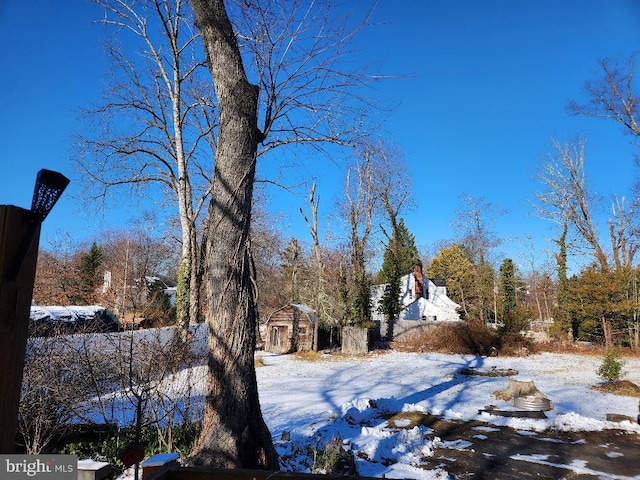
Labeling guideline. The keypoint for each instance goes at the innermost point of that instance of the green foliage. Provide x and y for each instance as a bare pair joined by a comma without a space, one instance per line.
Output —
105,445
507,288
515,320
562,315
610,369
400,256
103,449
600,302
454,265
588,330
158,309
343,294
89,274
389,304
360,311
183,294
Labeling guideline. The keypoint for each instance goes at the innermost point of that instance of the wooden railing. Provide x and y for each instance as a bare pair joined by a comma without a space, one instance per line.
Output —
192,473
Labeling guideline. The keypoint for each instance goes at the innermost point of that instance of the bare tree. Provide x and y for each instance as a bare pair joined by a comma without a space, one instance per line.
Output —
623,232
162,125
267,244
392,183
154,132
568,197
55,282
613,95
296,53
541,291
234,432
321,301
130,258
474,223
51,387
358,208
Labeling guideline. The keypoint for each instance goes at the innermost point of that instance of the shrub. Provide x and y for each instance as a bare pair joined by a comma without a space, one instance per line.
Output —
105,444
610,369
468,337
514,344
334,459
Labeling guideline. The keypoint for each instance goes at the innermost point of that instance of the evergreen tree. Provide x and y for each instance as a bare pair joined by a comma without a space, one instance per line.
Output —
400,256
507,288
562,315
343,294
597,301
399,259
158,309
89,274
361,305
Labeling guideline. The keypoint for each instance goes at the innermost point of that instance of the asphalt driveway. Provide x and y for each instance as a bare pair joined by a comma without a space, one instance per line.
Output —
477,450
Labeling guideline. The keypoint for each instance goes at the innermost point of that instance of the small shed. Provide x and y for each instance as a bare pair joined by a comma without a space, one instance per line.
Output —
290,329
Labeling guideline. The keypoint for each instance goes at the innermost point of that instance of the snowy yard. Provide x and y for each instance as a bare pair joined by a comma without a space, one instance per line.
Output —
351,399
348,398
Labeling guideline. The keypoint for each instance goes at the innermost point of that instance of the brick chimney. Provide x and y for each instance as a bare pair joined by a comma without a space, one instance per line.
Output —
419,281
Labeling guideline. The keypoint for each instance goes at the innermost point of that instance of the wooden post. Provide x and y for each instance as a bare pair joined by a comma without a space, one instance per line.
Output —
19,235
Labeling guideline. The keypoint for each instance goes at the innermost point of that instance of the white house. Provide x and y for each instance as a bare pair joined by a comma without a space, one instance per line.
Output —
424,302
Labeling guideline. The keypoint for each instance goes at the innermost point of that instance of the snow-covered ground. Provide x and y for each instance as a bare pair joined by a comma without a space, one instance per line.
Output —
313,402
334,398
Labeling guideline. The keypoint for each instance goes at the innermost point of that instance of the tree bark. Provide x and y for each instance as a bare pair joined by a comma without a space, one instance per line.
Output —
234,433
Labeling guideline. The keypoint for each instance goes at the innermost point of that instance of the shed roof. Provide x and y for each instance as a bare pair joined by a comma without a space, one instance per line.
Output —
307,310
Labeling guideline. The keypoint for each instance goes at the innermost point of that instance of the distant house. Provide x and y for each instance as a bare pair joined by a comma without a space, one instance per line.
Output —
56,319
290,328
424,302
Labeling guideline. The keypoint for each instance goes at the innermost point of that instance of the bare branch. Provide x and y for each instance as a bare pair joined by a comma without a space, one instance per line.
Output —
612,95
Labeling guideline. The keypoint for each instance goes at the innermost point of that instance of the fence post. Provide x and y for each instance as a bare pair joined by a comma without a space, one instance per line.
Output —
19,237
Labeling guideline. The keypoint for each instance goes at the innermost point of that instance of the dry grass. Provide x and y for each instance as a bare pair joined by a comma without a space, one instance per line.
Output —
406,420
578,348
619,387
473,338
311,356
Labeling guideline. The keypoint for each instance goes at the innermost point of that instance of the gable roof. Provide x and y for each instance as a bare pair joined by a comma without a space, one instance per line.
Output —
307,310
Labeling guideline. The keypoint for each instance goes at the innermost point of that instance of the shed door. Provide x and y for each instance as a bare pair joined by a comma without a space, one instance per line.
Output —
275,337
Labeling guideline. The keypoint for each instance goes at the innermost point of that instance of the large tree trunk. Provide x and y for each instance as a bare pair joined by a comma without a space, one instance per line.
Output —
234,433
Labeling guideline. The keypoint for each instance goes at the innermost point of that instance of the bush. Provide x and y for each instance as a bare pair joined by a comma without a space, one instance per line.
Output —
467,337
611,368
334,459
514,344
105,444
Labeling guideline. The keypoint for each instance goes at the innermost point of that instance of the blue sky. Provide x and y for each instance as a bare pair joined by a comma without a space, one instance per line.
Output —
483,91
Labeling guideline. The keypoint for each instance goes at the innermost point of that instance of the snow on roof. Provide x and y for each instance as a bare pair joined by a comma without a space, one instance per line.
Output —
304,308
62,313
